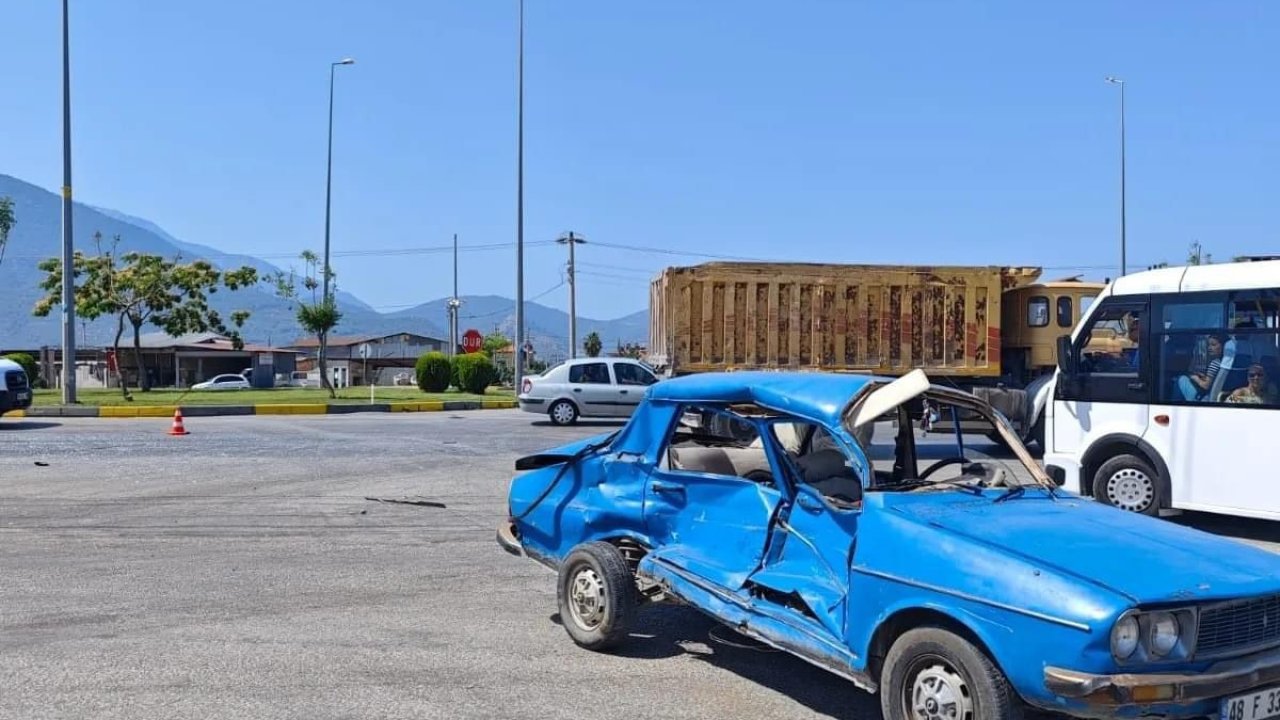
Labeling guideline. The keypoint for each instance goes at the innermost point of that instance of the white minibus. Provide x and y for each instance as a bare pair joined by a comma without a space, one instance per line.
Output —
1165,397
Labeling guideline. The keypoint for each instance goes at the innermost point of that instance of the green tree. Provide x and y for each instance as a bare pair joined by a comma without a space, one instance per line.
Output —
592,345
493,342
318,317
7,221
140,288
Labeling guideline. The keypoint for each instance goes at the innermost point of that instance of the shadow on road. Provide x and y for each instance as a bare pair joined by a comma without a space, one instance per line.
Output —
1234,527
664,631
27,425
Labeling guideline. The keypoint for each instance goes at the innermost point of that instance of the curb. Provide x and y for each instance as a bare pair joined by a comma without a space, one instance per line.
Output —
164,411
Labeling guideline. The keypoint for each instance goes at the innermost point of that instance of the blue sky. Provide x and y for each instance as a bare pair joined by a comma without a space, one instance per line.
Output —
815,130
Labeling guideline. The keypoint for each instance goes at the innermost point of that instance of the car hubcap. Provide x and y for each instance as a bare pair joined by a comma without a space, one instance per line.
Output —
939,693
586,598
1131,489
563,413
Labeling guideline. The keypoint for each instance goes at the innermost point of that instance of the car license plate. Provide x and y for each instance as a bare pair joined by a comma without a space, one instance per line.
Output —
1258,705
24,396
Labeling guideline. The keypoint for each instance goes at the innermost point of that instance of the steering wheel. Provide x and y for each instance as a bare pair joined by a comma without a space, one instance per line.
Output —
943,463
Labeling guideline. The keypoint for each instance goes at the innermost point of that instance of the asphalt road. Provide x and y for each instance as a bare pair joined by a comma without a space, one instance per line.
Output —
241,572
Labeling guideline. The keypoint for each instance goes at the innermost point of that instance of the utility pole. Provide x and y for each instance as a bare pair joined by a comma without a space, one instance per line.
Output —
519,354
68,254
1118,81
454,303
570,239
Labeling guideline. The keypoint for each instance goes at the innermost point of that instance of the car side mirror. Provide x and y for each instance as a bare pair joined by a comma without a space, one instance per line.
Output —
1066,357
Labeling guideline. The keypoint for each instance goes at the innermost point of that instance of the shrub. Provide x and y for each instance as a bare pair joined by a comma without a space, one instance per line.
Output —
28,364
433,372
474,372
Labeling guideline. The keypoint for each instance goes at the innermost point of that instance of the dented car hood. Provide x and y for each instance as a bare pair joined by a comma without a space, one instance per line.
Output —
1146,560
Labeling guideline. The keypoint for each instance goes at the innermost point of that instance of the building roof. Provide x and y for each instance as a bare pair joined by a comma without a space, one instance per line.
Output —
352,340
197,341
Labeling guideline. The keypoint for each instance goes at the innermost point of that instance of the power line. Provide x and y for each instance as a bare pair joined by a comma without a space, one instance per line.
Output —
664,251
624,278
621,268
540,295
381,252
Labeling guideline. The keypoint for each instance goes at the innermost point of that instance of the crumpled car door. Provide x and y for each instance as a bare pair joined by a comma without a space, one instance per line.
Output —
814,558
716,527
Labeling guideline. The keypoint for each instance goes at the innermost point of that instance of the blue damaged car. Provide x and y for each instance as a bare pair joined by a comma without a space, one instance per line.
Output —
953,586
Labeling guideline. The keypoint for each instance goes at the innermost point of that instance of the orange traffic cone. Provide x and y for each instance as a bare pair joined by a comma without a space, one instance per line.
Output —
177,428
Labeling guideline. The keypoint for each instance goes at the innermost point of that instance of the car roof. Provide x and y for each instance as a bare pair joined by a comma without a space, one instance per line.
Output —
581,360
813,395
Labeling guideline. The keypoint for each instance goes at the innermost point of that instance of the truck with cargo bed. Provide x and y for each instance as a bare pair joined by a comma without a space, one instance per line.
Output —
990,330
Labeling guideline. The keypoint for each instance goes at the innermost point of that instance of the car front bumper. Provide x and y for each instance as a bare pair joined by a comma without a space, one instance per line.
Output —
1128,689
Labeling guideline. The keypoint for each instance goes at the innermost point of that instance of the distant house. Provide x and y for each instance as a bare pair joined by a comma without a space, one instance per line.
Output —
188,359
505,356
387,356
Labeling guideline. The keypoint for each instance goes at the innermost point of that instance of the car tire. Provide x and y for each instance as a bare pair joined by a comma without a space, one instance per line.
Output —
596,593
563,412
1128,482
931,665
1037,433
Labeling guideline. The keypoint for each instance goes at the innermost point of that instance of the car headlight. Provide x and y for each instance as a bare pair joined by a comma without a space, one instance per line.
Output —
1124,637
1163,633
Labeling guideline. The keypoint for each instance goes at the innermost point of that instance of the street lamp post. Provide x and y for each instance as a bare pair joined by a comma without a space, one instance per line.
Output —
454,303
328,180
520,339
570,239
1118,81
322,352
68,253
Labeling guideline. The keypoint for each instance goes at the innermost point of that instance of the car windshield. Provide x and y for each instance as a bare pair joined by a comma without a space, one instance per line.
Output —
941,440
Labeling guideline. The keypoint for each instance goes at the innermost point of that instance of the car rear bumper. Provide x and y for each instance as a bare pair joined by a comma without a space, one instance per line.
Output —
1221,679
532,404
507,540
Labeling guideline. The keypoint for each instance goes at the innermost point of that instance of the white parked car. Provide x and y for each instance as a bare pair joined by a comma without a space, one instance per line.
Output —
224,382
587,387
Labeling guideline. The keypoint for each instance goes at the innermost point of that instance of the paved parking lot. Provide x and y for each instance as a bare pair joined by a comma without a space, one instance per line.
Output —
241,572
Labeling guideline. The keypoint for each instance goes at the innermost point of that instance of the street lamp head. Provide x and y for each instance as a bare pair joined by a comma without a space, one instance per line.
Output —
345,61
1114,80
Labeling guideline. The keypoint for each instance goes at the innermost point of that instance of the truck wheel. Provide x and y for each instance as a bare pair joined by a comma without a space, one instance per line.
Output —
597,595
1037,433
563,412
931,673
1128,482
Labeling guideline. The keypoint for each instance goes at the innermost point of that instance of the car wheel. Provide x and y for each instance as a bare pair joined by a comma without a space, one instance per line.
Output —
931,673
1128,482
563,412
597,595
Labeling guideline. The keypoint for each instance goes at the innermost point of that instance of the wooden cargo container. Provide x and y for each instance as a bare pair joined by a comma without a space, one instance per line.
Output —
846,318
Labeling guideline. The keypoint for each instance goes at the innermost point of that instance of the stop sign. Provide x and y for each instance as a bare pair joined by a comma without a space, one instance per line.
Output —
472,341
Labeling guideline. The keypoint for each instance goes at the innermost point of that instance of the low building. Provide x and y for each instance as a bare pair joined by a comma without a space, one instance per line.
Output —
186,360
384,357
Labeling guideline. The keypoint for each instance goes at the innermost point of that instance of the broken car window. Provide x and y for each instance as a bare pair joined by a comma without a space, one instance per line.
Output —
709,440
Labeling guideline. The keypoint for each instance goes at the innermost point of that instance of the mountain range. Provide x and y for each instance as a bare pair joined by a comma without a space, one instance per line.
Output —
37,235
